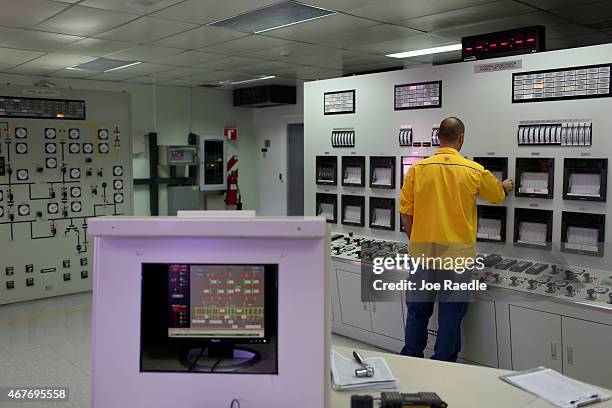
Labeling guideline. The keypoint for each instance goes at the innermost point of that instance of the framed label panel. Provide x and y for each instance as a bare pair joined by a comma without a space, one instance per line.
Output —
338,103
590,81
418,95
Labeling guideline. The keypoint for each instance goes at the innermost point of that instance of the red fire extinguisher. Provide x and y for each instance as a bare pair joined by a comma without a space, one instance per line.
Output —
232,192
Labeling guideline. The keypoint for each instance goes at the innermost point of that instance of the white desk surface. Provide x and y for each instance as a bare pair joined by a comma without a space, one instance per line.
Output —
459,385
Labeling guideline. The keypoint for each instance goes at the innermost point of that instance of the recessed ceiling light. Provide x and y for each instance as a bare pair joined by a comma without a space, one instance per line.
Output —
272,17
426,51
247,80
104,65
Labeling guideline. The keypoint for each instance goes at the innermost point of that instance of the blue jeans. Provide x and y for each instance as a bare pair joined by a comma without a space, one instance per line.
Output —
450,315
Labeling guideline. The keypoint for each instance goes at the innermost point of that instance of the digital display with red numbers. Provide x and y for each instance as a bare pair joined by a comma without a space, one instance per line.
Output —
503,43
177,154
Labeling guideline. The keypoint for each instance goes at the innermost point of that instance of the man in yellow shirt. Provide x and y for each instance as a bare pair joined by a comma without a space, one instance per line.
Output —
438,212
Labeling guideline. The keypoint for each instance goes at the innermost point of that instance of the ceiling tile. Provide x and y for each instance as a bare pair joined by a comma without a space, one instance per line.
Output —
265,68
189,58
74,73
28,69
343,5
571,42
144,80
322,29
587,13
469,15
130,6
208,11
568,30
404,44
289,52
96,47
85,21
183,73
370,35
59,61
40,40
331,59
6,33
374,67
556,4
392,11
111,76
523,20
252,43
230,63
144,69
146,30
215,77
303,72
18,56
28,13
145,53
200,37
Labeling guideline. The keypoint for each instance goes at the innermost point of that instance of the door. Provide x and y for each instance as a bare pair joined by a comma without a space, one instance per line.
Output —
388,318
479,333
353,311
535,339
586,351
295,169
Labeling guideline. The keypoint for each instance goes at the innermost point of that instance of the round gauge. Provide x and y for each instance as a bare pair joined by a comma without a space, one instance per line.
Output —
103,134
87,148
560,283
118,198
118,171
22,174
74,148
75,192
21,133
118,184
75,173
50,148
76,206
1,195
74,134
21,148
24,210
51,163
1,211
542,279
600,289
103,147
50,133
52,208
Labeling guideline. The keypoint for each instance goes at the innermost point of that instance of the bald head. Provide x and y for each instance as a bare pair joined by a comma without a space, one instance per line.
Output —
451,132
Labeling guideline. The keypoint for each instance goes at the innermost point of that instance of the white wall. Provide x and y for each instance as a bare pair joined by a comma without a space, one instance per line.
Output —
271,124
173,112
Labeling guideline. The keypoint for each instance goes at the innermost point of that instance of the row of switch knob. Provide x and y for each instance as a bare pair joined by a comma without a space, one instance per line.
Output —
567,134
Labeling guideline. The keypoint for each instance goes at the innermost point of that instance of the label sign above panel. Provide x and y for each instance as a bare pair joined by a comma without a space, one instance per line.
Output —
592,81
337,103
421,95
41,108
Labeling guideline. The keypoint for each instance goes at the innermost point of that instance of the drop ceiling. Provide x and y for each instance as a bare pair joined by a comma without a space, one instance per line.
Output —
177,47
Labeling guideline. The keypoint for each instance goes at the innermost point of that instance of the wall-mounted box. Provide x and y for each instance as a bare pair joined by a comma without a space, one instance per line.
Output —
382,213
533,228
496,165
353,210
327,206
491,223
353,171
435,140
583,233
343,138
535,177
561,133
327,170
405,136
382,172
212,174
585,179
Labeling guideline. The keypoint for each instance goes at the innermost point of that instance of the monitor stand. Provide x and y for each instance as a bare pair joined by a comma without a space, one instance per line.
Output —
218,358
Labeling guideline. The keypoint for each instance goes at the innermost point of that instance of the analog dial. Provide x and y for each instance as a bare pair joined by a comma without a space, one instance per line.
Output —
21,133
74,134
24,210
52,208
75,192
50,133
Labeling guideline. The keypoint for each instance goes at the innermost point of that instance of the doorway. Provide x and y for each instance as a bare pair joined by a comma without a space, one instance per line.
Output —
295,169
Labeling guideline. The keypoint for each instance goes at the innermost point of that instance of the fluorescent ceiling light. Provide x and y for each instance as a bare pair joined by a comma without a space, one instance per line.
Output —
272,17
103,65
247,80
426,51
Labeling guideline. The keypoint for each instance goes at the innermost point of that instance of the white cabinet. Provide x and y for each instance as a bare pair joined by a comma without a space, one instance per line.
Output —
479,333
388,317
586,351
353,311
535,338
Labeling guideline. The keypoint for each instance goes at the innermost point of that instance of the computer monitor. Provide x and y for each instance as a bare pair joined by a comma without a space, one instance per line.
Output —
208,311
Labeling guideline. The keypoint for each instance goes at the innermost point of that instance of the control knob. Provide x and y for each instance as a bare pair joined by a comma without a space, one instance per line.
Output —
496,278
570,290
513,280
590,294
348,240
337,249
550,287
587,277
610,297
532,284
569,275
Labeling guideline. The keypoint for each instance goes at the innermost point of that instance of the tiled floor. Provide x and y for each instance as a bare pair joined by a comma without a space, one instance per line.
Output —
46,343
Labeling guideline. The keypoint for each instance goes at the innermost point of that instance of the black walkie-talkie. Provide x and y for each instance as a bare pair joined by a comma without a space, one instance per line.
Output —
399,400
